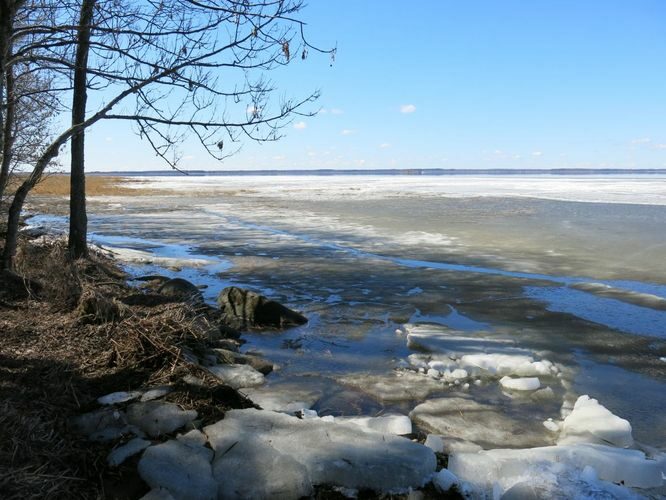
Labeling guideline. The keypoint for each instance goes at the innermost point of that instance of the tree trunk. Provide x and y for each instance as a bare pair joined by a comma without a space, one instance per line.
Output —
7,137
78,219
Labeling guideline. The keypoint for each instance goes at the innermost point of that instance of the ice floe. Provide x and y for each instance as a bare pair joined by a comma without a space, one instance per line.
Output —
317,452
156,418
590,460
590,422
185,471
520,384
237,376
465,419
386,424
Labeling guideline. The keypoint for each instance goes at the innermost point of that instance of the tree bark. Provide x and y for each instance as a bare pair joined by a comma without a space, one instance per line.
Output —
7,137
78,219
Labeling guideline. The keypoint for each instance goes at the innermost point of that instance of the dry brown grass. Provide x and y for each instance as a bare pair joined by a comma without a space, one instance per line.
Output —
96,185
55,362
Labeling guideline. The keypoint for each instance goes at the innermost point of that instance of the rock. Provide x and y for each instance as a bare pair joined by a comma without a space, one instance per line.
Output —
181,289
157,417
243,309
254,469
118,397
193,438
460,418
386,424
335,454
102,425
231,357
590,422
120,454
237,376
184,471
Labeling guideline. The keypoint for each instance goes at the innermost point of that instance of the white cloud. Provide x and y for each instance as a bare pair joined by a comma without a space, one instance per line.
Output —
641,140
407,108
312,154
517,157
384,145
279,157
659,146
252,110
347,132
360,163
336,111
537,153
300,125
108,139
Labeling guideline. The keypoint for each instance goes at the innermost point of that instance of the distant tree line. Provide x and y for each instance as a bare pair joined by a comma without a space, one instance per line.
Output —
173,68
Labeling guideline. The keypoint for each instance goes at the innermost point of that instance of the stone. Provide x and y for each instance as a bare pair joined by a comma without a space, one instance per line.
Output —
233,357
181,289
121,453
335,454
184,471
237,376
485,425
156,417
242,309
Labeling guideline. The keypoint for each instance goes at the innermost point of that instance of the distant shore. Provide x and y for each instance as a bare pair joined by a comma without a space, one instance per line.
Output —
390,171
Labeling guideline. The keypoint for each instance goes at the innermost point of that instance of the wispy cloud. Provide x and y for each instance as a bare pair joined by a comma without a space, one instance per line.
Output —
641,140
407,108
347,132
279,157
336,111
384,145
659,146
537,153
300,125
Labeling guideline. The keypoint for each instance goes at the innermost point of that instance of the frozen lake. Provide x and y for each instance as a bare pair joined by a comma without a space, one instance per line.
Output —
566,270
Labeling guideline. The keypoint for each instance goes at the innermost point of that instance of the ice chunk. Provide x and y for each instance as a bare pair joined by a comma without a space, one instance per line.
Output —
501,364
155,393
254,469
558,468
237,376
193,438
437,338
444,480
122,453
435,443
520,384
386,424
184,471
118,397
157,417
158,494
551,425
590,422
465,419
337,454
102,425
398,386
287,399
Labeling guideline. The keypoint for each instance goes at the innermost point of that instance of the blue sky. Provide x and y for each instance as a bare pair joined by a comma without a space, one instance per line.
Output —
450,84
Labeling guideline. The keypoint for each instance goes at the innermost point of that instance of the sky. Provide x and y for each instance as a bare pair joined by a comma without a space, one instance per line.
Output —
450,84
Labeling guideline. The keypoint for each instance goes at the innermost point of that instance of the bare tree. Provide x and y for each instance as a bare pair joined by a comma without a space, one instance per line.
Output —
183,67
